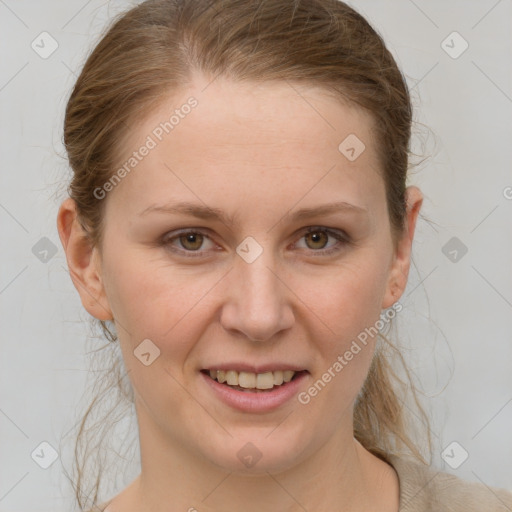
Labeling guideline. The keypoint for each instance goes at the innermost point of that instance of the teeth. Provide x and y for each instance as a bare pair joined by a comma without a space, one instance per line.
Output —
265,380
287,375
251,380
247,380
232,378
278,378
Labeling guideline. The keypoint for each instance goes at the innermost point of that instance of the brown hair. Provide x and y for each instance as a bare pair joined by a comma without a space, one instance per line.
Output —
152,49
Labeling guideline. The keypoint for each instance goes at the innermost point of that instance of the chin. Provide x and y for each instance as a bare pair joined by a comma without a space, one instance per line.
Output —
261,452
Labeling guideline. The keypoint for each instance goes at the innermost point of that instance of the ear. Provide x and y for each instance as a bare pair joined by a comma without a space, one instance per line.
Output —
83,262
399,271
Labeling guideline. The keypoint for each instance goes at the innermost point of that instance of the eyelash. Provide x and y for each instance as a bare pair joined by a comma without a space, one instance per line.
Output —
342,237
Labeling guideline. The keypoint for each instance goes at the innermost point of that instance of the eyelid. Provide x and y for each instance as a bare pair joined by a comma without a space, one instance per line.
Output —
340,235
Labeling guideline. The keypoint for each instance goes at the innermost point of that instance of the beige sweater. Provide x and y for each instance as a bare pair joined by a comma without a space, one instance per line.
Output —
423,489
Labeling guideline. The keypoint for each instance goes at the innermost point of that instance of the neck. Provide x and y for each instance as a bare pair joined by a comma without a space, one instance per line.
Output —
339,476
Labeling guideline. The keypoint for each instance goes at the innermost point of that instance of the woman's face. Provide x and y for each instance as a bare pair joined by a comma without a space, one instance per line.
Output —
252,291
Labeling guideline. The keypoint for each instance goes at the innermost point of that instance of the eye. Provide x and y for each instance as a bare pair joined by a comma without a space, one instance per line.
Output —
316,237
191,241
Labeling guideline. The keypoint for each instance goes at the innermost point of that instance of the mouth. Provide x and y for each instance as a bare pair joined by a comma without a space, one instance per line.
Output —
253,382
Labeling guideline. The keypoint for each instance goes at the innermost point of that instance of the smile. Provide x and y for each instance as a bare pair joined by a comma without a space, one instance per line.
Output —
252,381
254,392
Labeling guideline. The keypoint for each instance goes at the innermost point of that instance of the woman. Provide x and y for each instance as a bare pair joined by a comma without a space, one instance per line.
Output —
239,211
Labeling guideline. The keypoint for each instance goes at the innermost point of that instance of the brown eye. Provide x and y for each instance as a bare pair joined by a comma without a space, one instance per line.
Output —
191,241
318,239
188,243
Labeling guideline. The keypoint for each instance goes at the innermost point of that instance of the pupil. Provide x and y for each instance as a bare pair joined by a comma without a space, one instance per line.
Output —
191,238
315,236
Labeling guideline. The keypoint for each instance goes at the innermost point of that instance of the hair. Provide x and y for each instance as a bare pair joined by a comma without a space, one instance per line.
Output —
152,50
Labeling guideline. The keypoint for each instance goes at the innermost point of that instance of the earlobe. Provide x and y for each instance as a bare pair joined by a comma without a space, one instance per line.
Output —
83,262
399,271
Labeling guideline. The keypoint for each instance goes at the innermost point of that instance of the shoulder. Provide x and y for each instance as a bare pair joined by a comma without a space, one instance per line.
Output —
425,489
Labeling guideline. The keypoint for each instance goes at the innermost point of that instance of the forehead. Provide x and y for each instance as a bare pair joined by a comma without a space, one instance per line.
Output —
283,133
263,114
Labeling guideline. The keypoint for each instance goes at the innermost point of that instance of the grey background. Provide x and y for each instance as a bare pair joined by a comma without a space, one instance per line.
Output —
456,322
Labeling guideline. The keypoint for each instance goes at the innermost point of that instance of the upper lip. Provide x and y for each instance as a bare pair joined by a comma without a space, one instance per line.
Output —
261,368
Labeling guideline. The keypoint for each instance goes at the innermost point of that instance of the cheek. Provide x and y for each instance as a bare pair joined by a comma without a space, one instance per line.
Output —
349,310
346,299
151,299
348,307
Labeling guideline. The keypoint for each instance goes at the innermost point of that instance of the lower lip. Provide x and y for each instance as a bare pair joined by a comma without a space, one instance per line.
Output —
248,401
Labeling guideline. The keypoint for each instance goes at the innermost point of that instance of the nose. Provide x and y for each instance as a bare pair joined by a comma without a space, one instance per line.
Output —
258,303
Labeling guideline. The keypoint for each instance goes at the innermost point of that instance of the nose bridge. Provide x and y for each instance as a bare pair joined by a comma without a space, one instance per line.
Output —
258,281
259,306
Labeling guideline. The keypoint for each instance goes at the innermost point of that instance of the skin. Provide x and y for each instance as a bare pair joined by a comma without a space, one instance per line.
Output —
260,152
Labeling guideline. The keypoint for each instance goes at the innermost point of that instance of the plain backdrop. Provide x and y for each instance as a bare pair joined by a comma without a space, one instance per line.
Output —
458,304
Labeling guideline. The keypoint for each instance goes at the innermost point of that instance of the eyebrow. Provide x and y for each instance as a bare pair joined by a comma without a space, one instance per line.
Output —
211,213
